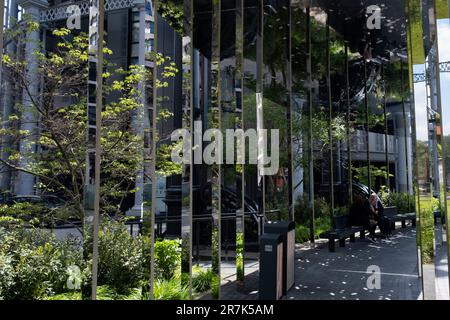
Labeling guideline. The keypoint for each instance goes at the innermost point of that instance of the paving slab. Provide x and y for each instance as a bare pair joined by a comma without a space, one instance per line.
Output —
343,275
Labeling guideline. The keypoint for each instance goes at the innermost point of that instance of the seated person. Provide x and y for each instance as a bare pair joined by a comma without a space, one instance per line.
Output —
377,209
363,214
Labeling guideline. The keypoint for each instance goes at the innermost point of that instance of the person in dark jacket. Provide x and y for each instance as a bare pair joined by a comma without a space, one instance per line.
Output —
361,214
377,209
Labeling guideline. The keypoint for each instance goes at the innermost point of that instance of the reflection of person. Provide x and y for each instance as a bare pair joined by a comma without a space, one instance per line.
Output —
378,209
280,180
372,215
362,214
373,200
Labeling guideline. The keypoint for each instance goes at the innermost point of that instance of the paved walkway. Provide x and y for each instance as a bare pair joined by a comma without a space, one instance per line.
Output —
342,275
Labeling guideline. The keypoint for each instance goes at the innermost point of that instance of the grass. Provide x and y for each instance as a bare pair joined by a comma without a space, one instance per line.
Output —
103,293
170,290
441,9
202,280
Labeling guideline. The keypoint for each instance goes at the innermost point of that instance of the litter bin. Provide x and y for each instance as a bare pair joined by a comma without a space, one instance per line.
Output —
271,267
287,230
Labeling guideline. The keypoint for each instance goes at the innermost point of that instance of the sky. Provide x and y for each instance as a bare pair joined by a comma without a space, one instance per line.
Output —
419,88
444,55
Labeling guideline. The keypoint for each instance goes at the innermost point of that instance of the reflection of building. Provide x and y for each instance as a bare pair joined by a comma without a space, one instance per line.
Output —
125,19
130,35
338,91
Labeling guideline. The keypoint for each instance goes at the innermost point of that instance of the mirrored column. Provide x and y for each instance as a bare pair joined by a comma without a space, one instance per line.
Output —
92,179
418,45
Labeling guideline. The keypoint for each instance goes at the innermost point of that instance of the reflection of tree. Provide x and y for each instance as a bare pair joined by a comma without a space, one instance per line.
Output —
164,164
446,148
172,12
423,159
61,162
414,14
393,81
275,50
361,174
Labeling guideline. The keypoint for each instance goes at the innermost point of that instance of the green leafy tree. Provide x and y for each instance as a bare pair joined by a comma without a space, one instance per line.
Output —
60,108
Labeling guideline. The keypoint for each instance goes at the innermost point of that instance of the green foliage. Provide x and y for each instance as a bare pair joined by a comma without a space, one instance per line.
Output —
303,210
303,214
170,289
120,254
74,295
109,293
60,166
361,173
404,202
17,214
437,205
168,258
165,165
172,12
302,234
426,235
215,283
321,224
202,280
215,247
103,293
6,275
341,211
34,263
239,256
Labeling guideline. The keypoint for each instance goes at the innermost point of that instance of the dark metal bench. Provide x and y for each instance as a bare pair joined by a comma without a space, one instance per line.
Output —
342,230
394,216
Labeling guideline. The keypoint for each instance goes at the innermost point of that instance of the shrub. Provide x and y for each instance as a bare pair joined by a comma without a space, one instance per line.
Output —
109,293
170,289
341,211
73,295
239,256
35,262
6,274
119,264
404,202
167,258
215,286
103,293
425,237
322,219
302,234
17,214
322,224
202,280
303,211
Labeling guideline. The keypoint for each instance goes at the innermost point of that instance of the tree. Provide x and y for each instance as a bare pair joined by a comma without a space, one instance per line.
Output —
60,108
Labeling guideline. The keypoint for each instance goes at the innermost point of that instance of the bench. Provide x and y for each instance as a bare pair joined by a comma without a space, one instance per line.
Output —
342,230
394,216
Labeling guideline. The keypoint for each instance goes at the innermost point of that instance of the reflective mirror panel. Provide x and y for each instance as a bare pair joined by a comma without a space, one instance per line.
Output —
253,215
152,147
440,211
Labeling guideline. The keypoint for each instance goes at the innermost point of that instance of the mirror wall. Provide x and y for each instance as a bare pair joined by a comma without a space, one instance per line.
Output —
349,108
